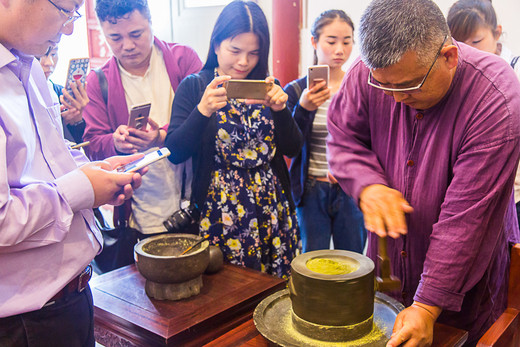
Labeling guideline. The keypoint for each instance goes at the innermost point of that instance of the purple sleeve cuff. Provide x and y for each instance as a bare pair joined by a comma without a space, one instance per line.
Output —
429,295
77,190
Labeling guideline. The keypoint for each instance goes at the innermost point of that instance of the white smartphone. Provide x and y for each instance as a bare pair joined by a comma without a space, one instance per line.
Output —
139,116
145,161
316,74
78,69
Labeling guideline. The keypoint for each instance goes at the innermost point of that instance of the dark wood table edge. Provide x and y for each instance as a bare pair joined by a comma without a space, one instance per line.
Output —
247,335
139,335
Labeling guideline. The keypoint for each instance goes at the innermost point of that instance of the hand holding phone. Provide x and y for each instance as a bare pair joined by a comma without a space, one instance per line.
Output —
145,161
139,114
316,74
313,97
247,89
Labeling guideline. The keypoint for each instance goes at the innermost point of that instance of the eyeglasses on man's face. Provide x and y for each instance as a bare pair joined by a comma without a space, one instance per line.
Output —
72,16
409,90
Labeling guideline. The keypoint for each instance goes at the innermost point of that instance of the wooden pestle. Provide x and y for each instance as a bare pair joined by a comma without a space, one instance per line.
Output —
387,282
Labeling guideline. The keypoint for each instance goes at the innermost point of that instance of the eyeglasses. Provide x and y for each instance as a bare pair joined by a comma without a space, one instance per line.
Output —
72,16
408,90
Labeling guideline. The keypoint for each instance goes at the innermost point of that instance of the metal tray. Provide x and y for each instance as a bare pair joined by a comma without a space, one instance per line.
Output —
272,318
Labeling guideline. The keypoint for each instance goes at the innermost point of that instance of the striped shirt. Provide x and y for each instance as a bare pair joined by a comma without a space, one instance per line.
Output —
318,150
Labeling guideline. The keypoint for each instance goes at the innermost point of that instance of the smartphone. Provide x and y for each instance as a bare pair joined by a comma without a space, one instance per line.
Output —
316,74
139,114
78,69
247,89
145,161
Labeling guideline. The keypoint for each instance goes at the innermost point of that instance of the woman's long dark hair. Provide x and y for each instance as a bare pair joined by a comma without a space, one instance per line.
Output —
240,17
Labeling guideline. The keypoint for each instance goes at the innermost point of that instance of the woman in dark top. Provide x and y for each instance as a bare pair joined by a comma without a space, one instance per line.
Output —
324,211
71,105
241,184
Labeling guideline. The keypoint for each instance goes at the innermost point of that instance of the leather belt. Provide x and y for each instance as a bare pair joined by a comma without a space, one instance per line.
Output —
76,285
321,179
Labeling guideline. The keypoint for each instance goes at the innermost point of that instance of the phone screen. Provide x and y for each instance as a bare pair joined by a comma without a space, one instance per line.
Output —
145,161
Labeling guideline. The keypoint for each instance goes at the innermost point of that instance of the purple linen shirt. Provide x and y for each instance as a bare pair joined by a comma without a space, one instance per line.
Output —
47,229
102,120
455,164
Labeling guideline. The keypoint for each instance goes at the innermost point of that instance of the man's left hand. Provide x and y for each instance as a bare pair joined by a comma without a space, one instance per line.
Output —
414,326
145,139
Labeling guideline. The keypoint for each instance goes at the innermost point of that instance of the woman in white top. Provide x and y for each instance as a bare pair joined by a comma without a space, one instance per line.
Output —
323,209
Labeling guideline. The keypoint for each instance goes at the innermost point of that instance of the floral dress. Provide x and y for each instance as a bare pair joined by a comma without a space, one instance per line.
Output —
246,212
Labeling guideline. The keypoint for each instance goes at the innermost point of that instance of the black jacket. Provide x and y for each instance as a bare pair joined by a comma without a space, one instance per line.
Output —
300,165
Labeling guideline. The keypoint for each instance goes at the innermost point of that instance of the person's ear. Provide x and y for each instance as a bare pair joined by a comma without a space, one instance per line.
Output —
450,54
314,43
497,32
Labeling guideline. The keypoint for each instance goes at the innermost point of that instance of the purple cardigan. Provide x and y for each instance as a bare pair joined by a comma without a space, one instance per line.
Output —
102,120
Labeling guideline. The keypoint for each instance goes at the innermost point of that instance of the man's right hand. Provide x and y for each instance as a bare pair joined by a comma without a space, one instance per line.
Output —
383,210
120,137
315,96
112,187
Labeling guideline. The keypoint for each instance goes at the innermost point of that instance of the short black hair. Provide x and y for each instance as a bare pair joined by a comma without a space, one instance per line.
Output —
112,10
240,17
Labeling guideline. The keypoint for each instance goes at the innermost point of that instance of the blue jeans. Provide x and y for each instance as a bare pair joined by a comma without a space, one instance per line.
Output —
327,211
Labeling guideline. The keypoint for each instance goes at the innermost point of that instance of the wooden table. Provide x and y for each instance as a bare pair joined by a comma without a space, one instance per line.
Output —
221,315
246,335
125,316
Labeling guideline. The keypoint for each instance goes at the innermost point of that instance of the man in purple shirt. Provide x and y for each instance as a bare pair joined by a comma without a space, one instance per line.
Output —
425,135
48,235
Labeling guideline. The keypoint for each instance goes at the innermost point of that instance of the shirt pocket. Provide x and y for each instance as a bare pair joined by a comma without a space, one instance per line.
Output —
55,116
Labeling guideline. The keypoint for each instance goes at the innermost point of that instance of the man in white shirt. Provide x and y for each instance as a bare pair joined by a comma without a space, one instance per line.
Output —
143,69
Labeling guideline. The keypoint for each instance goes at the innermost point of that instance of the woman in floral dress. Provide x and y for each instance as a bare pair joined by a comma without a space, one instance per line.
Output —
241,184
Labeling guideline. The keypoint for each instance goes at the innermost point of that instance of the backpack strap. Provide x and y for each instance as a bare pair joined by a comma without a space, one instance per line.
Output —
103,84
513,62
297,89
